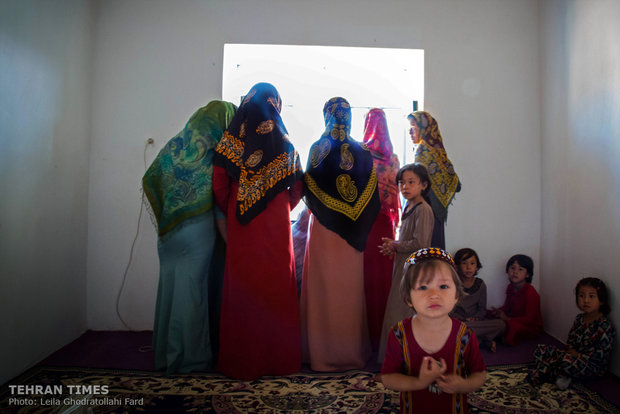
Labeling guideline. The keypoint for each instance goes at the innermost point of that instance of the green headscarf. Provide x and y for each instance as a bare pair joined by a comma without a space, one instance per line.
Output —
179,182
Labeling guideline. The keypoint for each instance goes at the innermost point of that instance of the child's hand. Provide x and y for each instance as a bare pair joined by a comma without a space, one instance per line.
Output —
431,370
451,383
502,315
388,246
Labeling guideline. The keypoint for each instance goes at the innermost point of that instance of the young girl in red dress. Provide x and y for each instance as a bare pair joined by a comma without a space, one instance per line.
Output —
432,359
521,309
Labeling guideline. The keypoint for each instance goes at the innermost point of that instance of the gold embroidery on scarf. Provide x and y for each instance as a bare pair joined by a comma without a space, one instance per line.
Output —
351,211
320,151
338,133
242,130
248,97
254,159
346,158
276,103
231,148
346,187
254,186
265,127
443,180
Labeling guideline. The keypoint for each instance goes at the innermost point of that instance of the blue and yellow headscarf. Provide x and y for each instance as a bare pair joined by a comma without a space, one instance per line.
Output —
179,182
341,181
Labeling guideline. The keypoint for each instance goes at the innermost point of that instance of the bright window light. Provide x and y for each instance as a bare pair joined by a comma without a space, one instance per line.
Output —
308,76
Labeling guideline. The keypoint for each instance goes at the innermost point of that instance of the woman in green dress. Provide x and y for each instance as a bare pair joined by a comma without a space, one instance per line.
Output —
178,186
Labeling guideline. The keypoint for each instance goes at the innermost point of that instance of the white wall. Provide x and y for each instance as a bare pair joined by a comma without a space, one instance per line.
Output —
45,72
580,154
157,61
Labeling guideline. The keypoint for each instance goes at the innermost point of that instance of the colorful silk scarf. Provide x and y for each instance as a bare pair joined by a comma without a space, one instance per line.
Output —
256,152
377,139
341,181
431,153
179,182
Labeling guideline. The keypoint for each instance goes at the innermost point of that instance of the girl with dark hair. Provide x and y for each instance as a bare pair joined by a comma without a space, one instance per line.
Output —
472,306
416,229
590,340
521,309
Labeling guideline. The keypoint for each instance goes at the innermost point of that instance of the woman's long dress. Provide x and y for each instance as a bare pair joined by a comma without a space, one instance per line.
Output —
259,326
335,323
188,287
377,276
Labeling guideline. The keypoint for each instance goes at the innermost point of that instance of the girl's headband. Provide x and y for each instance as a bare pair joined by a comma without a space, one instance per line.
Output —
430,253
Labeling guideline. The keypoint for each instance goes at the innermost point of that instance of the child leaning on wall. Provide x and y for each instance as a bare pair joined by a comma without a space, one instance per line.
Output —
521,309
472,307
590,340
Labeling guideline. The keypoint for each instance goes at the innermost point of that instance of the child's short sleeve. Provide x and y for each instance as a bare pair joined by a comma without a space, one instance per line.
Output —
473,356
393,362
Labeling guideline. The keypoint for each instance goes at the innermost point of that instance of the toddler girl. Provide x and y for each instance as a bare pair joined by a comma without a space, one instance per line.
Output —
432,359
521,310
590,340
415,233
472,307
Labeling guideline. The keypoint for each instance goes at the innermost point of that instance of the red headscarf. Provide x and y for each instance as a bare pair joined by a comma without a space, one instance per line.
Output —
377,138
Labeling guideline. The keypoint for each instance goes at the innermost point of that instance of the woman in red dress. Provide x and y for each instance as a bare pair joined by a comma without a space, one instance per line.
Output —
257,182
378,267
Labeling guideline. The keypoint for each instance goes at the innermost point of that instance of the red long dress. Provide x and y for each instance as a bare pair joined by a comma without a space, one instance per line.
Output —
377,267
377,275
259,324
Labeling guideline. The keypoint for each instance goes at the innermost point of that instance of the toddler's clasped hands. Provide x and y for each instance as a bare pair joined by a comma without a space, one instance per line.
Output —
432,372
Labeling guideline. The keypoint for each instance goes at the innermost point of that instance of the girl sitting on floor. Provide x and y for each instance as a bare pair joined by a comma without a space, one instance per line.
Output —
590,340
521,309
472,307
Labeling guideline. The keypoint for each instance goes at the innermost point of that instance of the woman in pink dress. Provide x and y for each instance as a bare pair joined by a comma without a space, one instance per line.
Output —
342,196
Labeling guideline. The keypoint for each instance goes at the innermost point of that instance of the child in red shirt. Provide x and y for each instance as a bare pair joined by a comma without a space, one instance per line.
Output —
432,359
521,310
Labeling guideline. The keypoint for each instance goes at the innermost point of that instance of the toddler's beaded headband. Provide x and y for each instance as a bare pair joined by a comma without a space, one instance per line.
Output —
430,253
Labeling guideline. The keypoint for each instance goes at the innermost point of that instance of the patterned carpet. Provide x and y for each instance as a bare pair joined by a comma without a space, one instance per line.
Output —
78,390
506,391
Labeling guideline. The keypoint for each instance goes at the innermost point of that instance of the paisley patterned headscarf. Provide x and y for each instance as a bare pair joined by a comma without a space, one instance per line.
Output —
431,153
179,183
341,181
377,138
256,152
